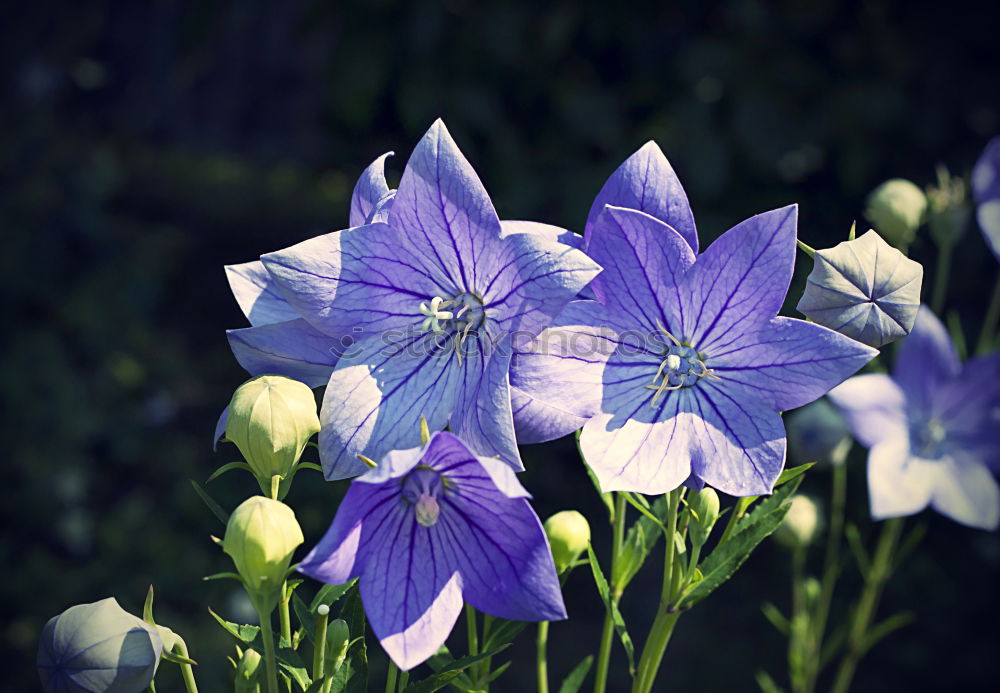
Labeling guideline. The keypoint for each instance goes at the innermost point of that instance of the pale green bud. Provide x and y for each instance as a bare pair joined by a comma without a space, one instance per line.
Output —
801,524
261,536
896,209
568,533
812,589
704,506
338,638
271,418
247,678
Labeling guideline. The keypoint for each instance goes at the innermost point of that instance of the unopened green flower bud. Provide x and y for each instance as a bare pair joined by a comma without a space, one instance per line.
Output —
896,209
247,679
338,638
818,432
261,536
271,418
704,506
948,208
801,524
812,588
568,533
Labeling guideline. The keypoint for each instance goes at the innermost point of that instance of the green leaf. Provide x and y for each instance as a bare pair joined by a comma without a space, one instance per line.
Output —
450,671
223,576
885,628
291,663
611,605
640,539
228,468
246,634
503,632
793,473
767,684
176,658
147,608
307,618
857,548
643,507
329,594
573,682
212,505
776,618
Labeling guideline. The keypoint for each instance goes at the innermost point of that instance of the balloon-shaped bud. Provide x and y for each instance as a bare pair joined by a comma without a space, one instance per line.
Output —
271,418
818,432
261,536
801,524
986,191
865,289
98,648
948,209
704,506
247,679
568,533
896,208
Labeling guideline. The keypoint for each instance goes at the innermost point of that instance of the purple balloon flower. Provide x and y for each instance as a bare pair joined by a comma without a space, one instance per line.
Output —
986,190
680,367
933,429
431,298
429,527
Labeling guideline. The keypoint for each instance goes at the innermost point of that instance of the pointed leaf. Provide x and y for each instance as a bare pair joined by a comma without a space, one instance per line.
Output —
793,472
147,608
228,467
246,634
573,682
210,502
450,671
612,605
307,618
292,665
329,594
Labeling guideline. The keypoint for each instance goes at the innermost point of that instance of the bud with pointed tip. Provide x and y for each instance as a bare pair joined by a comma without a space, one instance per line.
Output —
801,524
98,647
271,418
818,432
568,533
896,209
704,505
247,679
261,536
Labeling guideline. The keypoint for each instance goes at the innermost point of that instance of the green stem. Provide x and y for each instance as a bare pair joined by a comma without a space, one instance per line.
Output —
666,613
542,666
990,321
390,677
739,509
270,662
187,671
484,666
319,649
470,620
284,616
797,661
941,278
607,633
867,605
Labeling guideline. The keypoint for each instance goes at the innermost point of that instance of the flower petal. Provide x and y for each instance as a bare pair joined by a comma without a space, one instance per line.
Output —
361,279
369,190
547,231
644,262
737,442
646,181
986,174
258,295
536,421
220,428
967,493
443,206
899,484
988,217
740,282
926,360
788,363
295,349
377,394
875,407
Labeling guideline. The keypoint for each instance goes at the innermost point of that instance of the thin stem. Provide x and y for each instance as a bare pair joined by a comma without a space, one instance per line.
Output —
542,666
470,620
739,509
797,659
484,666
941,277
990,321
390,677
607,633
187,671
867,605
319,649
270,663
284,617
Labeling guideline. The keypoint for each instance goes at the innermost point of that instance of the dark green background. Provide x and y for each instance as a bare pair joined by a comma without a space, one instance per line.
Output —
145,144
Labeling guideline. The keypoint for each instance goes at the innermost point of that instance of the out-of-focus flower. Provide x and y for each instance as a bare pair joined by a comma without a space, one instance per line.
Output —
818,432
801,523
429,527
897,208
933,429
98,648
568,533
865,289
948,209
986,191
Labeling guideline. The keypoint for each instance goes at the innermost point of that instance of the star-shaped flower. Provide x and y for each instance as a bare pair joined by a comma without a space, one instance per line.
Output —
440,238
428,528
933,429
680,367
986,190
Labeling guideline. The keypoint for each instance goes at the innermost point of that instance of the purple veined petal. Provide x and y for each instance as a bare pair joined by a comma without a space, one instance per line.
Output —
294,349
258,295
968,409
788,363
445,452
483,417
368,191
644,263
363,279
378,392
443,207
649,455
380,212
647,182
737,442
220,428
926,359
986,173
874,406
967,493
741,280
536,421
547,231
899,484
534,279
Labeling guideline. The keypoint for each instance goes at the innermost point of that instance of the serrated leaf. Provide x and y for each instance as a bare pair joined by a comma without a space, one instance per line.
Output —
329,594
216,509
793,473
450,671
574,681
291,663
611,605
243,633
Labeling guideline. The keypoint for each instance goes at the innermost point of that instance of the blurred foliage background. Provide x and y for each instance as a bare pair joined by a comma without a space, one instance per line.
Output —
145,143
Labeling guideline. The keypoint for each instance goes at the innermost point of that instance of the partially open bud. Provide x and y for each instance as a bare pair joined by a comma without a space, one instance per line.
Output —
261,536
98,647
801,524
568,533
704,506
865,289
271,418
818,432
247,679
896,209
